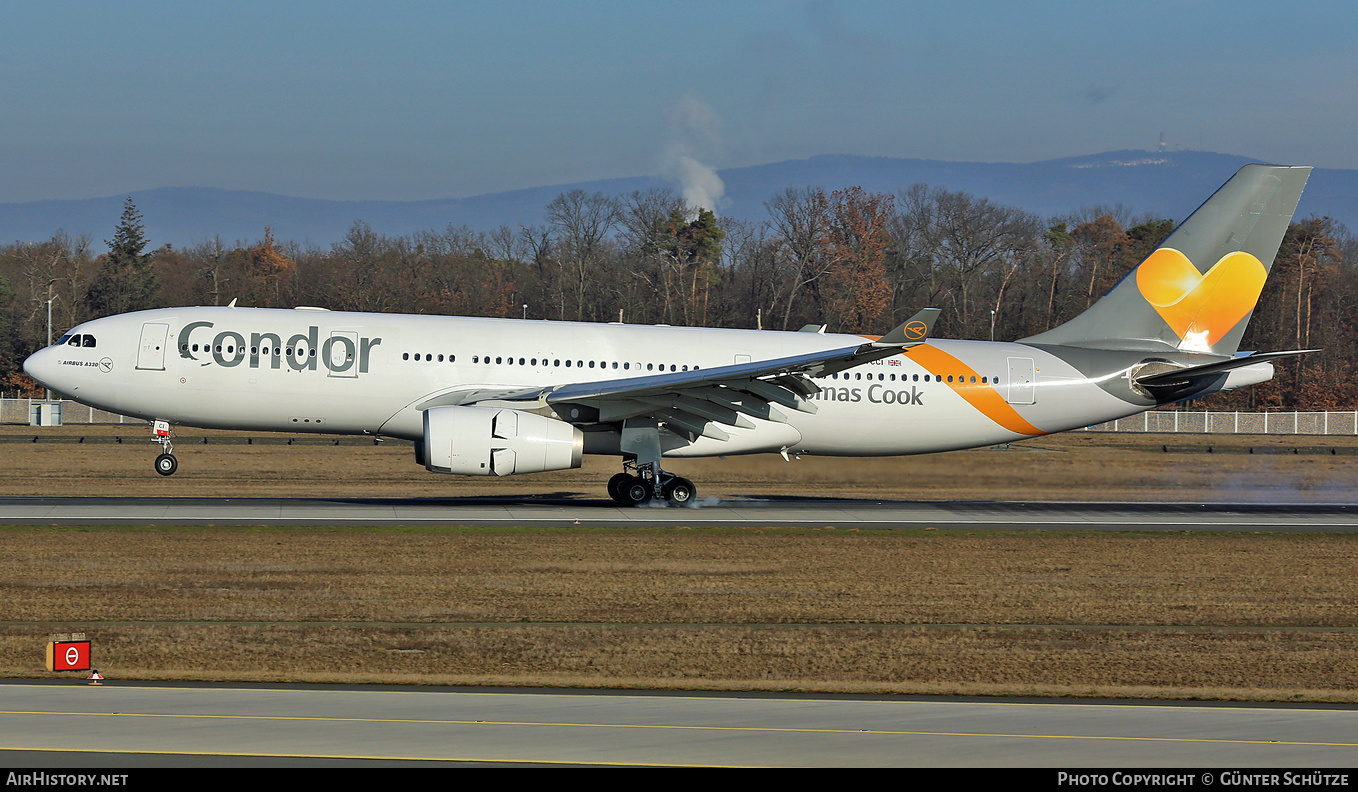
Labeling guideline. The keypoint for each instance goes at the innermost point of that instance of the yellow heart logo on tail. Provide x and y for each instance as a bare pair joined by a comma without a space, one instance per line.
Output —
1201,308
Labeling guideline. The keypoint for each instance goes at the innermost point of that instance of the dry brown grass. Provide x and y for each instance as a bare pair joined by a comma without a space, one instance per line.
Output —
1044,613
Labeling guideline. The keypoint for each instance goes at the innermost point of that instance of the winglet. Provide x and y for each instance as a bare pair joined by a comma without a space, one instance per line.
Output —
912,331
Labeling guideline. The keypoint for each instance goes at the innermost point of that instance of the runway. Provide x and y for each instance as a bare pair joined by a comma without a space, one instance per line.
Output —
63,725
555,511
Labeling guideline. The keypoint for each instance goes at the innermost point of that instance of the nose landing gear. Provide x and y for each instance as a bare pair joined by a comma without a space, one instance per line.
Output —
166,464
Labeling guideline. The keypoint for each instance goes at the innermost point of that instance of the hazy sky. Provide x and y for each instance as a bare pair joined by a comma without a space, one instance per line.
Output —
402,101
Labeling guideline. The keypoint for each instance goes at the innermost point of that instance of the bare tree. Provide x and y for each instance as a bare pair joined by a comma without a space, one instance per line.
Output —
582,221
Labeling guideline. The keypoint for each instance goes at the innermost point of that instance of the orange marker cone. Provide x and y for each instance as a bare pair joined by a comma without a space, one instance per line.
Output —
95,678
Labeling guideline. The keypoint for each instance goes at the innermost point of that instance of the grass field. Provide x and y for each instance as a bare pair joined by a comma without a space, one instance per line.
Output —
1200,615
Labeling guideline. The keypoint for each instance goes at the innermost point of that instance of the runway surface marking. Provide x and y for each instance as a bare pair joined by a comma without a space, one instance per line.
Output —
371,757
800,513
551,728
667,727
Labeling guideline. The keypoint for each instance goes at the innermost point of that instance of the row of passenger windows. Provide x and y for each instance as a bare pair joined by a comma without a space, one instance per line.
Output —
230,349
545,362
914,378
430,357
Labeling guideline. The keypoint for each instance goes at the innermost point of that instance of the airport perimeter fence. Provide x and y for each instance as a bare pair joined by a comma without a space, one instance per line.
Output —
17,410
1258,423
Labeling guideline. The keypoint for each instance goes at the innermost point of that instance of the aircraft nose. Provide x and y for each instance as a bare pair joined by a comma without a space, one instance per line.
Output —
41,366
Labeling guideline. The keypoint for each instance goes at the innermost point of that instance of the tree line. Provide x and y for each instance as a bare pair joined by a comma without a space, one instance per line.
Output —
850,260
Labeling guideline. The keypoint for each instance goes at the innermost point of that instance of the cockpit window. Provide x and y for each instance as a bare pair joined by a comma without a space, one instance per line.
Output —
80,339
75,340
63,340
89,340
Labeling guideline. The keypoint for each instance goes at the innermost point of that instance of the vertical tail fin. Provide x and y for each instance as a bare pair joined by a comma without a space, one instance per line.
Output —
1195,292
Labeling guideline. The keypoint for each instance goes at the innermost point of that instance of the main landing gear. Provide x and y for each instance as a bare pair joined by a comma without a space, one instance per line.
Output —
635,485
166,464
642,479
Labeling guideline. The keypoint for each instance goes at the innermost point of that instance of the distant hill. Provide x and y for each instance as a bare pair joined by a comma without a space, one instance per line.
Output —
1166,184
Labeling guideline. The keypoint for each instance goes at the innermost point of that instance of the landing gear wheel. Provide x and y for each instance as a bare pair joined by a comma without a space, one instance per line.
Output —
166,464
680,491
635,490
615,486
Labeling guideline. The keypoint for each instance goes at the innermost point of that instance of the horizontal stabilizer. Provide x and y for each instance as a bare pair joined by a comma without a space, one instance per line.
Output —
1185,376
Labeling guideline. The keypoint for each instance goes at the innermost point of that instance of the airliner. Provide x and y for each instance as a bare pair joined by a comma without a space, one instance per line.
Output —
499,397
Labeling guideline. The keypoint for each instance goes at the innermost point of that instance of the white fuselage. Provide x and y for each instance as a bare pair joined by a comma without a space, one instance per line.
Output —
353,373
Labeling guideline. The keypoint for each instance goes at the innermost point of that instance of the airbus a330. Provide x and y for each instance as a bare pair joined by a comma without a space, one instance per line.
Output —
498,397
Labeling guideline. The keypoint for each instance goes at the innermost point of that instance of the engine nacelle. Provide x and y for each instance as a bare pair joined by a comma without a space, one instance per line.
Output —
490,441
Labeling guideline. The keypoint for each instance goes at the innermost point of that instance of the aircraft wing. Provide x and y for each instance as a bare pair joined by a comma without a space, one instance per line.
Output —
695,403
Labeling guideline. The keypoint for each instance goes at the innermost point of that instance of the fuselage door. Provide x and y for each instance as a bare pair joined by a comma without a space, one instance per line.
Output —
1020,381
151,348
341,353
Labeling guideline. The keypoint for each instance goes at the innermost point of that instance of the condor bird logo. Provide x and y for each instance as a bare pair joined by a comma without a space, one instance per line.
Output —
915,331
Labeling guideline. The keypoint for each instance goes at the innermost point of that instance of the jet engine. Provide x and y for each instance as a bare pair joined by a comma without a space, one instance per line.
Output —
488,441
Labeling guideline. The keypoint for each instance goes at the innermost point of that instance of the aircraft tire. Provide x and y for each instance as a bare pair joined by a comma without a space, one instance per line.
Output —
635,490
615,486
166,464
680,491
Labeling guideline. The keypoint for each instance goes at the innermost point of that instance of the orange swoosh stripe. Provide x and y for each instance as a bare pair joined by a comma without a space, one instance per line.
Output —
984,398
